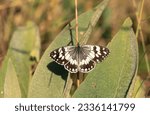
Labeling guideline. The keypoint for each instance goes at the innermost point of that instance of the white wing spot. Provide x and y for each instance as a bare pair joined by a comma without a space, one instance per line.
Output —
87,60
62,57
97,55
92,54
72,61
103,49
54,55
105,52
67,56
66,53
97,48
59,50
82,62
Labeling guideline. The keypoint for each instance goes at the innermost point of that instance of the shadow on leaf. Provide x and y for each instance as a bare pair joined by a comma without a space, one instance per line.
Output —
58,70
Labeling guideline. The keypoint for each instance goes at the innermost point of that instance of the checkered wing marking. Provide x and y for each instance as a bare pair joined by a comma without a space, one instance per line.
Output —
100,53
87,67
86,55
71,57
72,68
58,55
90,55
66,56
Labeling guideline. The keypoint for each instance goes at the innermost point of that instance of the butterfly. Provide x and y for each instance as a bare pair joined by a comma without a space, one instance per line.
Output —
79,58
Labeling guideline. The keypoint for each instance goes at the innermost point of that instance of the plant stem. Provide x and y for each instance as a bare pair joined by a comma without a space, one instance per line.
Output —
139,31
76,19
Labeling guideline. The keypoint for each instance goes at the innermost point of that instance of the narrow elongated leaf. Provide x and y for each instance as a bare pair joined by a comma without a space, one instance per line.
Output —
50,78
137,89
11,84
21,45
112,77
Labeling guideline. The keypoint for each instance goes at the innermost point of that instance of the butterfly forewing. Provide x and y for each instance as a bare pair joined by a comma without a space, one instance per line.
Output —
100,53
61,55
58,56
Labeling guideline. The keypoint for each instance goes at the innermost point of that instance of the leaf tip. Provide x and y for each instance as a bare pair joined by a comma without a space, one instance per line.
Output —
128,22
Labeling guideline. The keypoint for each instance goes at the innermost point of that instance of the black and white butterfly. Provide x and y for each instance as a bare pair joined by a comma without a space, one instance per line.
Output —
79,58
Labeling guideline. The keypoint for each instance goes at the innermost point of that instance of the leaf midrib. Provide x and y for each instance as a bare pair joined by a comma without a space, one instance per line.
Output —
120,76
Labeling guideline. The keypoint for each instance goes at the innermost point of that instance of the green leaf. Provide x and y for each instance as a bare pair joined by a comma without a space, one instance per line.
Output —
137,89
50,78
11,85
35,51
21,45
113,76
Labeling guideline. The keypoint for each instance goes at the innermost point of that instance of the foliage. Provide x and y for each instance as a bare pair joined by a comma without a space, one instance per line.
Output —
18,57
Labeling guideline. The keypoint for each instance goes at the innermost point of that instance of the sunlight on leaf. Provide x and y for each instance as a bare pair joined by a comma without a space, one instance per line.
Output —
11,84
112,77
137,89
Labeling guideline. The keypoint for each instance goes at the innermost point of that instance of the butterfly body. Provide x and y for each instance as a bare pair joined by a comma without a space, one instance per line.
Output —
79,58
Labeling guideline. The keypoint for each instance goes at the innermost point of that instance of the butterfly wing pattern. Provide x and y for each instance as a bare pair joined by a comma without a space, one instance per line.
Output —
80,58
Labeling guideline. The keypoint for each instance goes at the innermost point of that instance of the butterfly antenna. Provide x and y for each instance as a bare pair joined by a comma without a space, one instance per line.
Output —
76,20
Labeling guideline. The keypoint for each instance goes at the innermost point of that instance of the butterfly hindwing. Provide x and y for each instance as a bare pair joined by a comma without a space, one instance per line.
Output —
72,68
86,67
